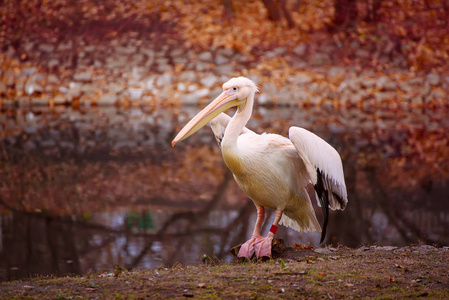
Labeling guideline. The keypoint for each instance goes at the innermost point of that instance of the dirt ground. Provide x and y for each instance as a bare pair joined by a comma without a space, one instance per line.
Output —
334,273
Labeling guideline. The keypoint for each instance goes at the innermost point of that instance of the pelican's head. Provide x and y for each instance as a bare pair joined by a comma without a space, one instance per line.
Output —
235,93
241,86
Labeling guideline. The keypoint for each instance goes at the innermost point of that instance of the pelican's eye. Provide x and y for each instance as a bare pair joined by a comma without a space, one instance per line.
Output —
232,91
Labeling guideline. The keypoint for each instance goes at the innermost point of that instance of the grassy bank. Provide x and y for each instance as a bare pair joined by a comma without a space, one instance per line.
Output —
334,273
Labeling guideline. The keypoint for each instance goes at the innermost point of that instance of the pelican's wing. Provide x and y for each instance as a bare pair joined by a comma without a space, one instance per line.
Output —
219,124
330,187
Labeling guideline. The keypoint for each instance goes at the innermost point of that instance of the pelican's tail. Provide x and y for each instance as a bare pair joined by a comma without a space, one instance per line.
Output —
300,216
312,225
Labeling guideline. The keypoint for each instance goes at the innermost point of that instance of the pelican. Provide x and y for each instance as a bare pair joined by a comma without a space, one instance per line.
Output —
272,170
219,124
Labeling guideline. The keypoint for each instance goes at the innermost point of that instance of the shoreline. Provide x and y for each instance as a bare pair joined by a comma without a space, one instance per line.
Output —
366,272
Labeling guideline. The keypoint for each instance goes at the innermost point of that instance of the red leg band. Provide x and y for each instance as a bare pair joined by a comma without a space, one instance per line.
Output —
273,229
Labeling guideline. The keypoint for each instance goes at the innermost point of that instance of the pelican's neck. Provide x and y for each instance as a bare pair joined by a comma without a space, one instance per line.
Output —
237,123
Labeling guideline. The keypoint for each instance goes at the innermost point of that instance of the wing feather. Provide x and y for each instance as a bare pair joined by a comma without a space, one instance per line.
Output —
219,124
326,161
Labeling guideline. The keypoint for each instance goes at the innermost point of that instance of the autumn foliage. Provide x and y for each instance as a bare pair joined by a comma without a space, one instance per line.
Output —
416,30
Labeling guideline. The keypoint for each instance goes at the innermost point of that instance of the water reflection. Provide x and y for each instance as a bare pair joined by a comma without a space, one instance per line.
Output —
88,190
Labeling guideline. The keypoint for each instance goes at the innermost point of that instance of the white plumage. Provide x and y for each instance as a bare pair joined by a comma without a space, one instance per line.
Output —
272,170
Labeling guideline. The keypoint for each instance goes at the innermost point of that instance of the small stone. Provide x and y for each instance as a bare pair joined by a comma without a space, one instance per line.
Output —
382,96
59,100
164,79
362,53
176,52
387,248
405,87
264,99
116,61
46,47
107,99
53,63
215,92
181,87
202,93
65,46
188,76
220,59
164,68
416,81
323,251
115,88
83,76
53,79
135,93
38,101
30,117
386,84
363,248
280,51
89,48
241,58
227,70
254,78
28,287
433,78
300,49
269,88
28,46
226,52
426,248
205,56
201,66
126,50
336,128
270,54
192,88
32,88
189,99
88,89
302,96
29,71
336,71
208,81
320,59
369,83
343,86
180,60
300,79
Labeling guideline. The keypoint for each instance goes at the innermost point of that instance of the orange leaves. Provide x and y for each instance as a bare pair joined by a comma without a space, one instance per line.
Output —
204,24
307,247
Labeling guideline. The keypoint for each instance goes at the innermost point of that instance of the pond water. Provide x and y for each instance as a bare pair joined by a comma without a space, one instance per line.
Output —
88,190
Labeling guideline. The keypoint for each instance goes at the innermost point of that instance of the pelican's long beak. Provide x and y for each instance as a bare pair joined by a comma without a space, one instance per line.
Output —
223,102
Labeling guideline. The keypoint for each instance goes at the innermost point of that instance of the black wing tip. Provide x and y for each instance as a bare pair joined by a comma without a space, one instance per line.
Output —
323,197
340,201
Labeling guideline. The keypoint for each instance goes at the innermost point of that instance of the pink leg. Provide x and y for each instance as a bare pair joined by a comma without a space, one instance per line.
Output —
247,249
262,247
